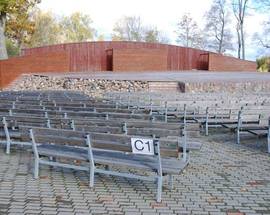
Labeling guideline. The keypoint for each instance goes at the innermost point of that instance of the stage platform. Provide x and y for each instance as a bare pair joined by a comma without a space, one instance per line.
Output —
184,81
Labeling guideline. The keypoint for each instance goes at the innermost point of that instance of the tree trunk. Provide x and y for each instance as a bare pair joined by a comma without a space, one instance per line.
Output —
221,38
239,42
243,42
220,47
3,49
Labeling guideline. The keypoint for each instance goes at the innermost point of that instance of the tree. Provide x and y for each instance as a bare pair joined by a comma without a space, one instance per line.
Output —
218,33
131,28
263,38
128,28
15,21
262,5
77,28
265,2
153,35
4,9
188,32
50,29
240,11
20,25
101,37
12,48
263,64
47,30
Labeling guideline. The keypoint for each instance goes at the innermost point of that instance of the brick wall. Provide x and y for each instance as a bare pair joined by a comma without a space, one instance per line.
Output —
140,59
127,56
92,56
49,62
224,63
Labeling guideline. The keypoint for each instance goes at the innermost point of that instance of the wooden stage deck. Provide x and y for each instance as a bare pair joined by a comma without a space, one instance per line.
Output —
174,76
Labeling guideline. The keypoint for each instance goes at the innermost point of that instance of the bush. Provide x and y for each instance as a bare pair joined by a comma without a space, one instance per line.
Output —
12,48
263,64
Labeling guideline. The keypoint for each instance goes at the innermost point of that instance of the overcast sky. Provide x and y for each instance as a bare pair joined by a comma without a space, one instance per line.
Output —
161,13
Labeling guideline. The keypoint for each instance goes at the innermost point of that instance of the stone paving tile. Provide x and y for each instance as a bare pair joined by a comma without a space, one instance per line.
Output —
222,178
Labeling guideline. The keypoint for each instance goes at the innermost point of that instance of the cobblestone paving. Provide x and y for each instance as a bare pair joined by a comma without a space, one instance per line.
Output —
222,178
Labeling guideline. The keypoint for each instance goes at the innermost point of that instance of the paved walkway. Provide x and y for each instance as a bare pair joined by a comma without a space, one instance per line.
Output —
222,178
184,76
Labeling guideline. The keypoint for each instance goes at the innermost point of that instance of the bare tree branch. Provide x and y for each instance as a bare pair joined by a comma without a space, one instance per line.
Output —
219,36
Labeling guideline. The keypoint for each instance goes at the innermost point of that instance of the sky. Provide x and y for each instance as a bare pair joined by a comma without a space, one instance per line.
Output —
165,14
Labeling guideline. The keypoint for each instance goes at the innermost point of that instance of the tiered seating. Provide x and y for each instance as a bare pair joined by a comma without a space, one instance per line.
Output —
99,132
241,113
60,122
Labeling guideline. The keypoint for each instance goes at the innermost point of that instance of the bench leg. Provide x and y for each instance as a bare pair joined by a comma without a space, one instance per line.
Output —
36,168
268,142
159,188
171,181
8,147
206,129
91,177
238,136
52,159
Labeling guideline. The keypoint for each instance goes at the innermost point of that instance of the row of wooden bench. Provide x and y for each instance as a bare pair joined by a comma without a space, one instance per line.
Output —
240,115
80,146
246,122
159,130
97,143
213,117
202,100
106,149
101,107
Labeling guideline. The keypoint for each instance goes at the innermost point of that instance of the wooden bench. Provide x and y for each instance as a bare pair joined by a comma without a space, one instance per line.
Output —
214,117
259,130
74,114
10,136
135,128
73,145
232,120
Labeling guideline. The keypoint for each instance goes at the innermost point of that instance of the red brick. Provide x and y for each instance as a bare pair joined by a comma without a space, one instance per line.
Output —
140,59
48,62
219,62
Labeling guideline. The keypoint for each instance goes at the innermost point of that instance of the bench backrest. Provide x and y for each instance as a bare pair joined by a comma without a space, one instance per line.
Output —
144,128
118,142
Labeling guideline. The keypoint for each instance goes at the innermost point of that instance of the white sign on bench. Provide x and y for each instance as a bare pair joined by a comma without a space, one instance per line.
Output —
142,146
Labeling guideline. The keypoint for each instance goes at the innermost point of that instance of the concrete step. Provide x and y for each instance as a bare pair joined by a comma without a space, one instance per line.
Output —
165,86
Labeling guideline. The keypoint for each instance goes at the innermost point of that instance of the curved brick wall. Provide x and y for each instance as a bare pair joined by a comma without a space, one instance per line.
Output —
45,62
115,56
93,56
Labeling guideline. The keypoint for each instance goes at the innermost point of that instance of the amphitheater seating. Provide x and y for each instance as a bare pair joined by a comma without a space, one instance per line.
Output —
111,128
220,110
65,119
13,125
228,118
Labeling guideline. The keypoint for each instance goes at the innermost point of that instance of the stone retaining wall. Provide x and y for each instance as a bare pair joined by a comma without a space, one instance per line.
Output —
228,87
96,87
91,87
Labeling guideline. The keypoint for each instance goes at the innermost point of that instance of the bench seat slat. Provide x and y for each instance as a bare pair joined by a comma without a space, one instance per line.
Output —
111,158
261,133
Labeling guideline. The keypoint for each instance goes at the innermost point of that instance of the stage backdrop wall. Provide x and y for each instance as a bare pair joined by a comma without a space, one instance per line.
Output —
46,62
219,62
96,56
116,56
